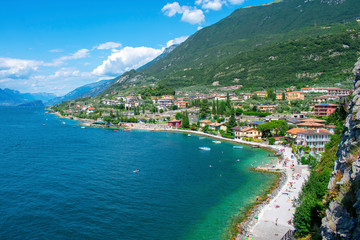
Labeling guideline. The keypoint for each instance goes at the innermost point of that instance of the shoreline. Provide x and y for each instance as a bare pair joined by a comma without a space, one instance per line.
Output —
255,216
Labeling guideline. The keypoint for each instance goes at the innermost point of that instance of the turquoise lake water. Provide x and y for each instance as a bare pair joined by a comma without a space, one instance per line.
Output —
59,181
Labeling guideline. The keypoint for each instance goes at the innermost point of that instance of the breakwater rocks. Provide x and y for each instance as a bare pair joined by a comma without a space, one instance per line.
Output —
342,216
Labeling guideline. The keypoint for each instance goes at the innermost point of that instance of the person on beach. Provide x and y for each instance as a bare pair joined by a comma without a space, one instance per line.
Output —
276,220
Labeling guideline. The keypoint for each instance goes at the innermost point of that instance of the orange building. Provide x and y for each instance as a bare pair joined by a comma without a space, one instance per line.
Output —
296,95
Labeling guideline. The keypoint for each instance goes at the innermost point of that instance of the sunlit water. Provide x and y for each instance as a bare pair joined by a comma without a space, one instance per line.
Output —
60,181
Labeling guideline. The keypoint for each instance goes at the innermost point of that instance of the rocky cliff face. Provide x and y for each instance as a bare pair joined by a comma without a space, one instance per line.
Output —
342,219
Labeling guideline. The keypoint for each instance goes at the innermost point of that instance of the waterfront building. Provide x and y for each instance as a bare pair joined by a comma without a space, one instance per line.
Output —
315,139
205,122
174,123
217,126
248,132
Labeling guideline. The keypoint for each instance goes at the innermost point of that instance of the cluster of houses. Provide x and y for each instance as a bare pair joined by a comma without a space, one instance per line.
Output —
309,132
182,100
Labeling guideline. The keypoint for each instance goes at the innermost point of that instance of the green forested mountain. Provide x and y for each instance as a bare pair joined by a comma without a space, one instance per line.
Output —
283,43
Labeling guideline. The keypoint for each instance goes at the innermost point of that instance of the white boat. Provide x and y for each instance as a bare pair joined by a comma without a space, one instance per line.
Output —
216,141
237,147
205,148
189,135
82,127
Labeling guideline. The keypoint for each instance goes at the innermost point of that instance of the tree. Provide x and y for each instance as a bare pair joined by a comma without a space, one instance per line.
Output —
221,108
271,141
185,120
178,116
283,96
173,107
204,108
232,122
161,110
228,102
255,97
238,111
213,110
270,94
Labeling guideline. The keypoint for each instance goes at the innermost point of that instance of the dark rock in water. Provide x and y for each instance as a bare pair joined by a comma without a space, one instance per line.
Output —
37,103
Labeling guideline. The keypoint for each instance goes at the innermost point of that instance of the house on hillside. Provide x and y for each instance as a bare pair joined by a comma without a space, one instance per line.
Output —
338,91
255,124
181,104
325,98
267,108
262,94
296,95
324,109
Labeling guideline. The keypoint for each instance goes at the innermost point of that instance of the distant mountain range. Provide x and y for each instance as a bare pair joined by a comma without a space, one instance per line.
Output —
10,97
89,90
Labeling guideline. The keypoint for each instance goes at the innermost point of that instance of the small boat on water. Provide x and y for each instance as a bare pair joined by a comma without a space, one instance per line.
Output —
126,130
82,127
205,148
189,135
63,122
238,147
216,141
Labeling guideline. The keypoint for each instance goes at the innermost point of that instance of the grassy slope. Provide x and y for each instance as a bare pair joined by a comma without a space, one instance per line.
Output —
248,35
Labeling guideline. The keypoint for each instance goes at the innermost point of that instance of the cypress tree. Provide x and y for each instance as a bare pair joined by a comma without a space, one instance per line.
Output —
213,110
185,122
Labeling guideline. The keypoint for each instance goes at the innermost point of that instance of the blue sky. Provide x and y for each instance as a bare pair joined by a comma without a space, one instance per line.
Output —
56,46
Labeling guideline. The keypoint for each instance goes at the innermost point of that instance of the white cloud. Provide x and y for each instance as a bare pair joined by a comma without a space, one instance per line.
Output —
236,2
176,41
18,68
190,15
56,50
215,5
108,45
82,53
67,72
193,15
126,59
171,9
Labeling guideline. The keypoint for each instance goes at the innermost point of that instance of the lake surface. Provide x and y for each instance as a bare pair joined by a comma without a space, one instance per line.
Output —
60,181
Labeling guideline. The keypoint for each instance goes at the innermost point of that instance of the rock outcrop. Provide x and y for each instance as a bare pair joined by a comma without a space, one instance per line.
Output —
342,219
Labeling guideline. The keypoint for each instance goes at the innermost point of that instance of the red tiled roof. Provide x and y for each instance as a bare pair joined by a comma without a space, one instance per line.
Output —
295,131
